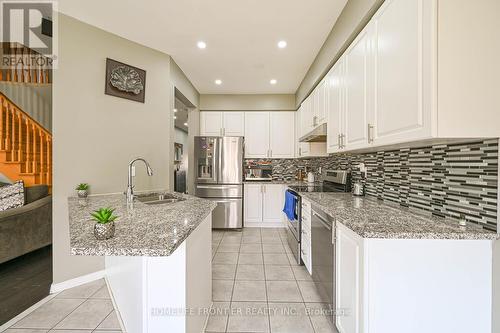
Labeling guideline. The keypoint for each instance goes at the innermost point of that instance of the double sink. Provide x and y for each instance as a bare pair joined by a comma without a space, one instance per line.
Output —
158,198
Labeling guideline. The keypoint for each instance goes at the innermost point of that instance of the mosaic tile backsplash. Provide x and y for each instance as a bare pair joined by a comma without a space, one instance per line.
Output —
445,180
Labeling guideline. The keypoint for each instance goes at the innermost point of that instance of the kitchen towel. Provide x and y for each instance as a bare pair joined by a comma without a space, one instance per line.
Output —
290,202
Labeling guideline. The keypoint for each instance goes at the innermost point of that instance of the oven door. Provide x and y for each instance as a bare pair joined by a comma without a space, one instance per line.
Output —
293,228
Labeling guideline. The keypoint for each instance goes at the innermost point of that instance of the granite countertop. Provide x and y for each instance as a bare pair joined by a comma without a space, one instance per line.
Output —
144,230
278,182
372,218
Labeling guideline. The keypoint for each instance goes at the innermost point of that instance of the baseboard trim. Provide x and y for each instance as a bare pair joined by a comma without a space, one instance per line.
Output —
58,287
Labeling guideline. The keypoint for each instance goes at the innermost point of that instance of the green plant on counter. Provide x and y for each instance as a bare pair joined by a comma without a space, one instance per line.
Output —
104,215
82,187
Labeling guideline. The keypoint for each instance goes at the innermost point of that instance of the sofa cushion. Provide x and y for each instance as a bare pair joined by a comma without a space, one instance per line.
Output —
12,196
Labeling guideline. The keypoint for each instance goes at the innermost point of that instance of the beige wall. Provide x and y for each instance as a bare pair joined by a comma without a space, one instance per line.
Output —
351,21
257,102
96,135
182,83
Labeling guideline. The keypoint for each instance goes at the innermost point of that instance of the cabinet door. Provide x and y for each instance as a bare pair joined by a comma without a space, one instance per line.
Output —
210,123
356,90
256,134
234,123
335,106
306,118
402,57
321,102
348,279
253,202
281,134
273,201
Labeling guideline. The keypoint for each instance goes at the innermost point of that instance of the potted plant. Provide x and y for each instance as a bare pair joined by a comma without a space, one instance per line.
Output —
105,225
82,190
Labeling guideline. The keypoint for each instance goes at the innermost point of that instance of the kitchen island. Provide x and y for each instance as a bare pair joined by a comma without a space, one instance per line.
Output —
158,264
398,269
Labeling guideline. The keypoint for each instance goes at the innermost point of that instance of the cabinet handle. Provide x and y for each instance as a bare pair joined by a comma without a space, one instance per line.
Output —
300,151
370,133
342,140
271,153
338,141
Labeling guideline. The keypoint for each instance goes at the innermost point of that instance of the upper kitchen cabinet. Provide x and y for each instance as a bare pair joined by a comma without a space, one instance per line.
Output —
320,103
335,107
257,134
269,134
402,71
357,88
282,134
306,149
214,123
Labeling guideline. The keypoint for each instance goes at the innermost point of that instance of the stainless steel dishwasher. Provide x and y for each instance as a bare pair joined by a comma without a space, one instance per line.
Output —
323,257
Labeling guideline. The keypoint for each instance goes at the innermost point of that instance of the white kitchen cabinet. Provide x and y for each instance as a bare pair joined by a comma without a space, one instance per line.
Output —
306,149
336,113
305,243
402,57
272,203
215,123
264,205
257,134
211,123
349,249
356,85
253,203
390,285
320,103
281,134
234,123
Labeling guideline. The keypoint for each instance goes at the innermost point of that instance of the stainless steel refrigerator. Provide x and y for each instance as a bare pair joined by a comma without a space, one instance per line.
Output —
219,177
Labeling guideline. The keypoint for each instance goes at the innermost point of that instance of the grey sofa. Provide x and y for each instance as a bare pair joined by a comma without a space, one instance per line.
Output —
27,228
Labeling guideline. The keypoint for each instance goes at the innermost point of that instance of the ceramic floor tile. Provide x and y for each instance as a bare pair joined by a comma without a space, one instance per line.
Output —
248,291
251,248
250,259
222,290
24,330
49,314
217,321
102,293
229,248
276,259
73,331
102,331
321,317
83,291
223,272
273,248
281,273
271,240
309,291
248,317
88,315
292,259
289,318
111,322
251,239
250,272
301,273
231,240
283,291
225,258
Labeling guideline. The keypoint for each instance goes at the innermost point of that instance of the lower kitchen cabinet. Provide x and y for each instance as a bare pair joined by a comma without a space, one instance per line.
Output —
412,285
264,205
305,233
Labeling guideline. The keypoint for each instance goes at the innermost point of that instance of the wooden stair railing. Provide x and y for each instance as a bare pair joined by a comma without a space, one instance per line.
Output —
28,65
25,146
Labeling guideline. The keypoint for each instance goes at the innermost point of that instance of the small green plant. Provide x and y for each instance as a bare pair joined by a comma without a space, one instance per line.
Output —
82,187
104,215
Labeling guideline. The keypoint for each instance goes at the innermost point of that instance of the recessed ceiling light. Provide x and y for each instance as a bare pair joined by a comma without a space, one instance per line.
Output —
201,44
185,124
218,82
175,117
282,44
273,81
175,110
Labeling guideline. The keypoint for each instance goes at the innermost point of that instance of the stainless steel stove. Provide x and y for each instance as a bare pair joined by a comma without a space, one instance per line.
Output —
334,181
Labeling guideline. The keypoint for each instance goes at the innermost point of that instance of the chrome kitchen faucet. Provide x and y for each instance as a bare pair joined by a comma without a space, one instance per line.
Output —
130,187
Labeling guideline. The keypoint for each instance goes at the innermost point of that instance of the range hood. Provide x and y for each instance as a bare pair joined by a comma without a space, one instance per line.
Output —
316,135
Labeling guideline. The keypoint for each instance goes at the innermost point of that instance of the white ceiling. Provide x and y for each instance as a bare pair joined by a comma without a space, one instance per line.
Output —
241,37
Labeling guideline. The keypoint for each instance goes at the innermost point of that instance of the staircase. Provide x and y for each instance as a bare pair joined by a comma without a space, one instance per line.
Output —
25,146
30,66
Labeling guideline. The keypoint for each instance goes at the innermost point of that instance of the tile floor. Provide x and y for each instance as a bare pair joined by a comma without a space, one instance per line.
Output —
258,287
84,309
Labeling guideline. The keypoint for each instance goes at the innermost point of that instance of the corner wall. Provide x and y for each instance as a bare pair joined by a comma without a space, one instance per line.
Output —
96,135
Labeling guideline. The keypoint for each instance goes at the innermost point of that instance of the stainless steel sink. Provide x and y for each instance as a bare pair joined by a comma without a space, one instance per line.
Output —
157,198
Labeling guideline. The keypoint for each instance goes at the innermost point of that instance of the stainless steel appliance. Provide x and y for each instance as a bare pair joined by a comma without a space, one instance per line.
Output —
259,173
219,177
323,256
334,181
